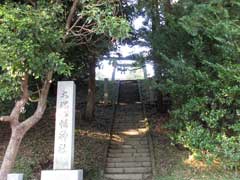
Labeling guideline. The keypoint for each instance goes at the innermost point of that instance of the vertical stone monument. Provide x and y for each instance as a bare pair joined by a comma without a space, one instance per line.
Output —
15,177
114,71
106,94
64,135
65,126
145,72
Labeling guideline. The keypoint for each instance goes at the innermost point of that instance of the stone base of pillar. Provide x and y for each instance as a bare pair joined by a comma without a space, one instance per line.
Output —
62,175
15,177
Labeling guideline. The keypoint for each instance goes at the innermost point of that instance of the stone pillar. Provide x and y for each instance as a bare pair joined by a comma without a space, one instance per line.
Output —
145,71
114,71
15,177
62,175
65,126
64,135
106,94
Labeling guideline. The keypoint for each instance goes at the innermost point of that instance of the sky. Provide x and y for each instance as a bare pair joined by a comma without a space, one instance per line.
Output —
105,70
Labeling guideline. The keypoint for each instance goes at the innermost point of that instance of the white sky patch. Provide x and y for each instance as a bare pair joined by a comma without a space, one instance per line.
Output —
150,69
174,1
106,69
131,2
127,50
138,22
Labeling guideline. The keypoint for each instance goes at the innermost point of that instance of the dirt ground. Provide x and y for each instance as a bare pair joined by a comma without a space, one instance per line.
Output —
91,140
174,162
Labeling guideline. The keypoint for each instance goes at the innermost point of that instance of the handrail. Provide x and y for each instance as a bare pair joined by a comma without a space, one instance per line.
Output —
115,103
149,134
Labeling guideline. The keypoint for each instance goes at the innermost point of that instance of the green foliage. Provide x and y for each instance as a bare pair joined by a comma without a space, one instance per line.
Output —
200,60
25,165
103,14
95,26
30,42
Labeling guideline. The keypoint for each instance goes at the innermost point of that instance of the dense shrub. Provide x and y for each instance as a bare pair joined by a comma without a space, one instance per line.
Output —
200,61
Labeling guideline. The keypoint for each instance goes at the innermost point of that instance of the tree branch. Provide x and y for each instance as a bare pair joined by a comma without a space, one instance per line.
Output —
20,104
71,14
42,104
32,2
25,94
24,87
6,119
79,18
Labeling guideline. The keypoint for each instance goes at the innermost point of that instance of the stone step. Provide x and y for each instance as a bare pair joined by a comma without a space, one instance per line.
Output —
122,121
122,135
133,143
134,124
126,121
140,150
128,117
127,124
127,176
128,159
128,146
130,129
134,127
129,139
133,139
128,170
130,123
129,164
129,155
136,138
131,133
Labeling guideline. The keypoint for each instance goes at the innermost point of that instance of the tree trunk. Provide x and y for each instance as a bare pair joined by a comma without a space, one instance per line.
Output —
167,7
90,110
156,20
156,26
11,152
20,129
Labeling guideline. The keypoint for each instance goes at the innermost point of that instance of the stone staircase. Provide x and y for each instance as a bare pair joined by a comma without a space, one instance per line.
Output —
129,156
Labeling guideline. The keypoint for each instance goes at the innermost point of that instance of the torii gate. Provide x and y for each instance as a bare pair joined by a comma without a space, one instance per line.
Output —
115,65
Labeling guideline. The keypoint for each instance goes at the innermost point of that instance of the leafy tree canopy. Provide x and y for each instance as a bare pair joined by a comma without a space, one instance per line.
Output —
30,42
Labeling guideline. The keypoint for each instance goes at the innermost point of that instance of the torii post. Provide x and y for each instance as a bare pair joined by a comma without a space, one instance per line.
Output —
114,71
105,91
145,71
